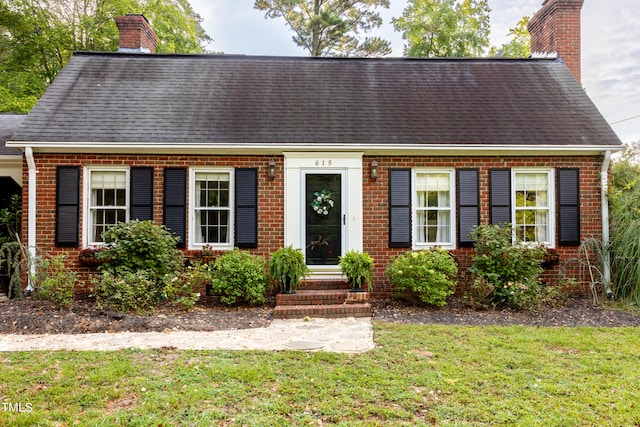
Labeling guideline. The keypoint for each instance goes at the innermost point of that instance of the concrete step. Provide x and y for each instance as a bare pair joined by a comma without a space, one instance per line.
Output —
331,311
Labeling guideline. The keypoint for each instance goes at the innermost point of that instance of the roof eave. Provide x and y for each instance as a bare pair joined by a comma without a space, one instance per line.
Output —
270,148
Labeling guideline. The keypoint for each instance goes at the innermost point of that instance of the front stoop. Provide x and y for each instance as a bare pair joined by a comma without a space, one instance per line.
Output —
329,303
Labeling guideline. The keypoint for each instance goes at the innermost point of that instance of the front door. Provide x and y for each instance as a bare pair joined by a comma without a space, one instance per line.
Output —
323,218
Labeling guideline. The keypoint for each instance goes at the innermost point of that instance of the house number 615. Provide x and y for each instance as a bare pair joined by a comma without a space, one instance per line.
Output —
323,162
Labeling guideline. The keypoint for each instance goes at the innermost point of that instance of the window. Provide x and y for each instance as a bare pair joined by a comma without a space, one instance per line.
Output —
433,213
211,213
107,201
533,206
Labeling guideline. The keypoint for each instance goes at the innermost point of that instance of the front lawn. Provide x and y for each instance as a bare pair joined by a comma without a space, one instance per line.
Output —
418,375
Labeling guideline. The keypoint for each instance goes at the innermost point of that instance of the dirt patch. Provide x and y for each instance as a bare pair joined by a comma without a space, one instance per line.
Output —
28,316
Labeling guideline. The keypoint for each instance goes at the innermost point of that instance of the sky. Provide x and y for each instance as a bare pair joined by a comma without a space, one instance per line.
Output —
610,45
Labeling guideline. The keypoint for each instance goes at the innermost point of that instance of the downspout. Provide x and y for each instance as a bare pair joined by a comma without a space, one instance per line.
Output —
604,189
31,218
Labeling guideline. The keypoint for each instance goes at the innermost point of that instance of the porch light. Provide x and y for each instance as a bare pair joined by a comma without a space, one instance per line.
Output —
374,169
271,169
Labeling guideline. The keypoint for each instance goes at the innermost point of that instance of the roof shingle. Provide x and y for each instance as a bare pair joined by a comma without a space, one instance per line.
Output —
219,99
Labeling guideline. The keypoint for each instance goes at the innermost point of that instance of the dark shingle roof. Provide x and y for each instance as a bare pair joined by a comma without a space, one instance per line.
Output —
8,124
209,99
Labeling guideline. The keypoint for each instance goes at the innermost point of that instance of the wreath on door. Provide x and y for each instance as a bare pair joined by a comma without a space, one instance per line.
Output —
322,202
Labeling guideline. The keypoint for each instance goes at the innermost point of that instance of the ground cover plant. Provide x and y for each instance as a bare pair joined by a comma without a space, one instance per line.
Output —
419,375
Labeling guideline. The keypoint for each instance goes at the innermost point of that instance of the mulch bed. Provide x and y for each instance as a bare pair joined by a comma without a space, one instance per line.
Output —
29,316
576,312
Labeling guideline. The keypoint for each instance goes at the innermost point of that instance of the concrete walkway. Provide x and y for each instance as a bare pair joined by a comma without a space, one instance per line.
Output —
349,335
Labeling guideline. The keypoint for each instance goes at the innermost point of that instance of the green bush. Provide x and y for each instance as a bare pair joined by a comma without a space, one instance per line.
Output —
56,282
183,290
427,276
126,291
239,276
141,245
504,274
141,262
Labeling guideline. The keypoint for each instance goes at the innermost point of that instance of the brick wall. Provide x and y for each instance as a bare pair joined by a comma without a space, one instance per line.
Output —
375,200
556,28
270,194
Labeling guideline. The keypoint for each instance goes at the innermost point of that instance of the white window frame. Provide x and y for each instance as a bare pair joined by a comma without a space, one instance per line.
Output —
451,244
193,245
87,217
550,172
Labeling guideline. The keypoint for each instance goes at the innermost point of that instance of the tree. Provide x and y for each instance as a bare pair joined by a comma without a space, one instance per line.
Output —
37,38
331,27
444,28
520,44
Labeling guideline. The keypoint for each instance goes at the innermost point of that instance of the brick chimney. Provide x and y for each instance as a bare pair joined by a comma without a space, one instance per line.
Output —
555,28
136,35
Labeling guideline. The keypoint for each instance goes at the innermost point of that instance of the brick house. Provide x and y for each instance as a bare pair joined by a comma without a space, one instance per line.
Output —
228,151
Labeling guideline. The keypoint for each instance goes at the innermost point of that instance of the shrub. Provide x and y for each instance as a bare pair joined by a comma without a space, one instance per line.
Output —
239,276
141,245
56,282
427,276
140,259
183,290
126,291
504,273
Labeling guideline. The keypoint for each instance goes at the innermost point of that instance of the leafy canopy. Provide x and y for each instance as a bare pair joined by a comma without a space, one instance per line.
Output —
331,27
37,38
519,46
444,28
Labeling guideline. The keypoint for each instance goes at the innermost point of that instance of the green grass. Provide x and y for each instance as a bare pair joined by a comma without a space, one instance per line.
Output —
418,375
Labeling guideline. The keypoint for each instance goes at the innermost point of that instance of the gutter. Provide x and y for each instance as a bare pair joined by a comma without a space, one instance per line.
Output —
604,189
387,149
31,218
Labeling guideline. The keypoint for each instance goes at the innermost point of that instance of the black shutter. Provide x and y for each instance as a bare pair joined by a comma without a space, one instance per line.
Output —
400,208
141,193
67,205
246,209
500,195
568,207
468,204
175,202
